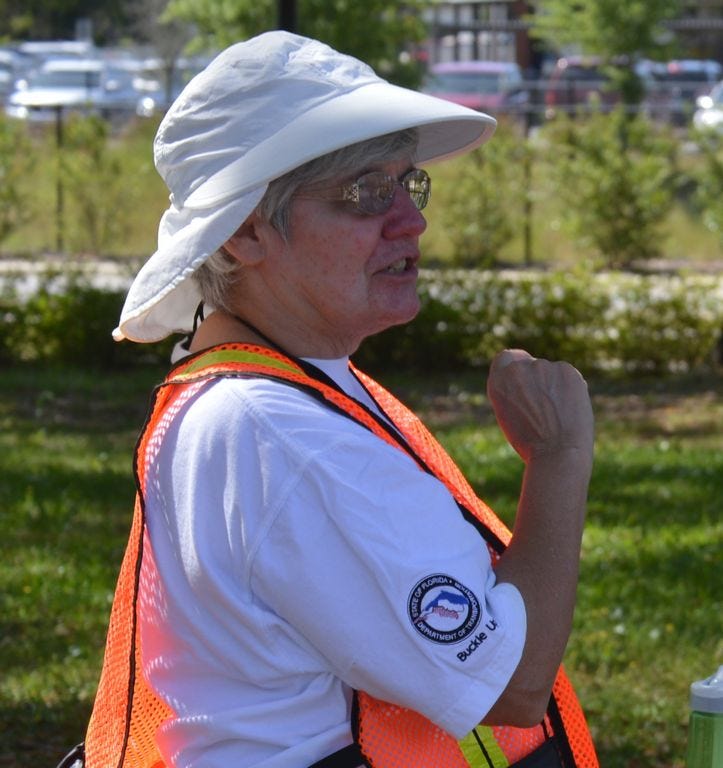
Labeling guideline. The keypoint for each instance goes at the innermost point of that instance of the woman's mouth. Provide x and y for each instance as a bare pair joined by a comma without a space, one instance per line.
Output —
399,266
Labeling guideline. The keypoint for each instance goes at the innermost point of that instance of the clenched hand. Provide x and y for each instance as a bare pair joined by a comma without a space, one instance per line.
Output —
542,407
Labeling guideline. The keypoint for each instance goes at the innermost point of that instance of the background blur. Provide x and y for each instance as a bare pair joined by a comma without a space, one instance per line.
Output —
589,229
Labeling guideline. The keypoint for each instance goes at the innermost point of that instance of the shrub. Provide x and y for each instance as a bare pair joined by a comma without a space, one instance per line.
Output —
99,177
68,321
603,322
710,182
481,203
662,323
615,176
606,321
16,163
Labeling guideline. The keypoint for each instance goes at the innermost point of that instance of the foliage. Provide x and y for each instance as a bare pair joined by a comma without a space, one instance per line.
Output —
374,31
69,322
481,208
618,31
16,163
607,28
709,180
616,179
56,19
597,322
534,204
98,183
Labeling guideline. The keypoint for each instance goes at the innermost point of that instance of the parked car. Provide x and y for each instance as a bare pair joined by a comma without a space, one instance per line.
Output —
488,86
45,49
676,85
13,66
76,85
709,113
578,83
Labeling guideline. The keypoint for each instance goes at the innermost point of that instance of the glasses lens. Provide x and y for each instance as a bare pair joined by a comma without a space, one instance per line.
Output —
373,193
376,192
419,186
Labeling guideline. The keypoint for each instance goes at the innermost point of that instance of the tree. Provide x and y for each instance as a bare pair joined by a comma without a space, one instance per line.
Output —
615,176
618,31
376,31
56,19
483,201
168,37
16,164
709,178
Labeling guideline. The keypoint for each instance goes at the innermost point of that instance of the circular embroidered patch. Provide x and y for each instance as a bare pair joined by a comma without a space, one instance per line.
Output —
442,609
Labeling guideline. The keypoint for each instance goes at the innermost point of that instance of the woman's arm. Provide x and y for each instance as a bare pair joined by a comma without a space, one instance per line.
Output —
544,410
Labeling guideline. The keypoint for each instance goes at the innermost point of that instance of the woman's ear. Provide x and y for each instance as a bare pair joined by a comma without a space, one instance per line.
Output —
250,242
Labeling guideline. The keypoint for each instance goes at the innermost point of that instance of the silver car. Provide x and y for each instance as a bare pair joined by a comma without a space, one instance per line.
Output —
61,85
709,113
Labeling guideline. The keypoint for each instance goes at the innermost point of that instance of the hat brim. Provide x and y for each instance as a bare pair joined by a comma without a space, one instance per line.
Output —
162,300
374,109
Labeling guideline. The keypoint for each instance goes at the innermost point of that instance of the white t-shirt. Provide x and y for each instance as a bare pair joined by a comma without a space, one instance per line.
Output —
294,557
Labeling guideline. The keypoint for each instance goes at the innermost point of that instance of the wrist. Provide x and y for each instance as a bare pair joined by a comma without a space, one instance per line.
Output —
562,460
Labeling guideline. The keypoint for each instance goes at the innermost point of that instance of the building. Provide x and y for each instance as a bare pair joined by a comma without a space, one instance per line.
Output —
498,30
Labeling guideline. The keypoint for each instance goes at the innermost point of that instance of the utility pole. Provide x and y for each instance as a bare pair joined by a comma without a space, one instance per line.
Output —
287,15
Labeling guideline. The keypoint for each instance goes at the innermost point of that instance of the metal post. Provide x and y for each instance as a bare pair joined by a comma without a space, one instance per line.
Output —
527,175
59,196
287,15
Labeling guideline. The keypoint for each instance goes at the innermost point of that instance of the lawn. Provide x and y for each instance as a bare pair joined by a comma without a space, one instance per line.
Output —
649,610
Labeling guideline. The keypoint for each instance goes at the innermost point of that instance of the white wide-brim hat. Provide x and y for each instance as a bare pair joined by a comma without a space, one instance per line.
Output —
260,109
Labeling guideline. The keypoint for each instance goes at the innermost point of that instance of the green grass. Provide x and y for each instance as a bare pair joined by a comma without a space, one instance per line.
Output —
649,610
66,496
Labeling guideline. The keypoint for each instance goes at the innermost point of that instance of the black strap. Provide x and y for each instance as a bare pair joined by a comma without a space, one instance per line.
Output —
545,756
346,757
75,758
198,318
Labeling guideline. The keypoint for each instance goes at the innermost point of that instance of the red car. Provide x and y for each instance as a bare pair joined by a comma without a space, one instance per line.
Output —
488,86
578,83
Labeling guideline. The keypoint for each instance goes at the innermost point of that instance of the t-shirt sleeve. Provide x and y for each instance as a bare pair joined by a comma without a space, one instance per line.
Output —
369,559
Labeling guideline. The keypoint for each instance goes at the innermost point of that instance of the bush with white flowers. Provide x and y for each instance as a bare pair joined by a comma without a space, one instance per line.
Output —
597,321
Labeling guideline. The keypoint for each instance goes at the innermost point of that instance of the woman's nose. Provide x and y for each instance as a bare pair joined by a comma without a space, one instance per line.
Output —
403,217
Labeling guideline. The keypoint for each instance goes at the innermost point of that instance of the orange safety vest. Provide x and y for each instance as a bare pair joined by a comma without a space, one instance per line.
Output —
127,712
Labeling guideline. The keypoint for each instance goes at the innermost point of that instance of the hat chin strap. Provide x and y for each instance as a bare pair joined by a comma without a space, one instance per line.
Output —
198,318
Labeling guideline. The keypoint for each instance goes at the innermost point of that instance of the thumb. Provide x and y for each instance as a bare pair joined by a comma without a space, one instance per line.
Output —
507,356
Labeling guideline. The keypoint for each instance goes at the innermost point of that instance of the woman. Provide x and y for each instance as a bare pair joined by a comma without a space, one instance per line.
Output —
306,581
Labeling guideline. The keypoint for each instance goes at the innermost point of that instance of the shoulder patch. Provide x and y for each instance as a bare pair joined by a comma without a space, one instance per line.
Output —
442,609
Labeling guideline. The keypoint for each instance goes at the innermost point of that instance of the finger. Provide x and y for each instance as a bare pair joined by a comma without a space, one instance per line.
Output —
507,356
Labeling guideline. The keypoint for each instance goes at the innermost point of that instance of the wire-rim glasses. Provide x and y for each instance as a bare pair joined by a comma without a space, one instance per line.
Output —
373,193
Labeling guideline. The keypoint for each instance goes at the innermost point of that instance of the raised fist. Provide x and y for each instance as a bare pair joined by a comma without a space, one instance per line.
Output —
542,407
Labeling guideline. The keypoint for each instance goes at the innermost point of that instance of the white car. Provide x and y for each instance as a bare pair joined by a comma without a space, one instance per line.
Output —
72,85
709,113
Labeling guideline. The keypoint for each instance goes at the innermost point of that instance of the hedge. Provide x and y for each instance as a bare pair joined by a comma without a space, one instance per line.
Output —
601,321
598,321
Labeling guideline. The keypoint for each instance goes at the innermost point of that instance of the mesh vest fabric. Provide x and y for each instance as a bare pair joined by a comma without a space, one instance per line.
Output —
127,713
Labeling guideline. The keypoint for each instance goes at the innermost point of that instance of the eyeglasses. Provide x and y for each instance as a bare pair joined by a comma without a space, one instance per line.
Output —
373,193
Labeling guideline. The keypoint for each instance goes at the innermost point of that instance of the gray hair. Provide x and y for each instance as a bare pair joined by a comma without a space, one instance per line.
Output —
220,271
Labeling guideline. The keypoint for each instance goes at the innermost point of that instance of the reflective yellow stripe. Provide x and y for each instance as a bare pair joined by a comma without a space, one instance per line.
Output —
222,356
481,750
